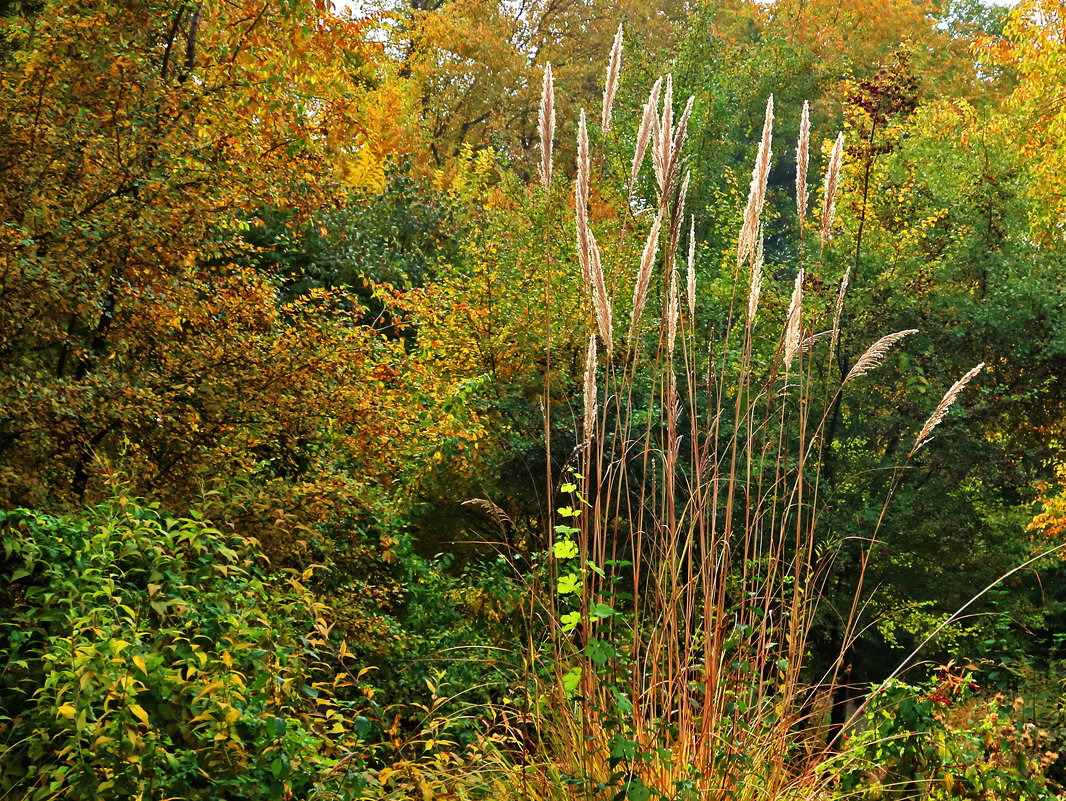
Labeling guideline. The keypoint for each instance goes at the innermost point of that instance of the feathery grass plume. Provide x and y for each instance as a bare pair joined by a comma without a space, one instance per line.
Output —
611,86
644,132
755,288
757,194
677,218
691,275
590,389
794,323
832,178
841,293
647,261
802,159
942,408
672,313
600,300
547,127
680,132
581,200
661,141
807,346
876,353
681,128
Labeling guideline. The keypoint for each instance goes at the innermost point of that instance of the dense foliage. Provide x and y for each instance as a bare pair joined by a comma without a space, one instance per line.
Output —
430,508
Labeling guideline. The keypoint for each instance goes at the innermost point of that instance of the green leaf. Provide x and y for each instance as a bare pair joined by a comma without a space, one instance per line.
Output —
601,610
571,680
570,583
565,549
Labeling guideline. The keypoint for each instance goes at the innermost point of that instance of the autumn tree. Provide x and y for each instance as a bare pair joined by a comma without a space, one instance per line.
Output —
137,137
477,65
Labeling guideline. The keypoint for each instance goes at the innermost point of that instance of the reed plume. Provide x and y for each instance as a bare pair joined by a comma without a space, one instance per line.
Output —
590,389
802,160
794,323
661,141
832,178
647,261
672,313
841,293
547,127
942,408
677,216
755,288
644,132
691,275
611,85
600,301
876,353
757,193
581,200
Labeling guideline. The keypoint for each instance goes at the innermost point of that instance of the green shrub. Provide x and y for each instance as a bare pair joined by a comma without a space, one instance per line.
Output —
946,740
148,657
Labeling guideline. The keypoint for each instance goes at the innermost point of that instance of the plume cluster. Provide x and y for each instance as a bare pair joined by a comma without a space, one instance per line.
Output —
666,141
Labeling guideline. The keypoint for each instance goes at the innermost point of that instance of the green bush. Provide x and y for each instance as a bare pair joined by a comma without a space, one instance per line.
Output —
947,740
148,657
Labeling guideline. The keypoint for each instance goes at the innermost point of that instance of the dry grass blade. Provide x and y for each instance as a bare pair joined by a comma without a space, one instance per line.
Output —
611,85
547,127
876,353
757,193
755,288
942,408
832,178
590,389
802,160
600,300
647,261
794,323
691,276
644,132
581,200
841,294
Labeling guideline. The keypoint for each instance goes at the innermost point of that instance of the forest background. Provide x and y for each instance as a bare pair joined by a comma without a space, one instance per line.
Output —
292,346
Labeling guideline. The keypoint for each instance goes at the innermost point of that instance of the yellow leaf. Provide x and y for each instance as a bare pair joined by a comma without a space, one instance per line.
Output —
138,710
139,662
67,711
